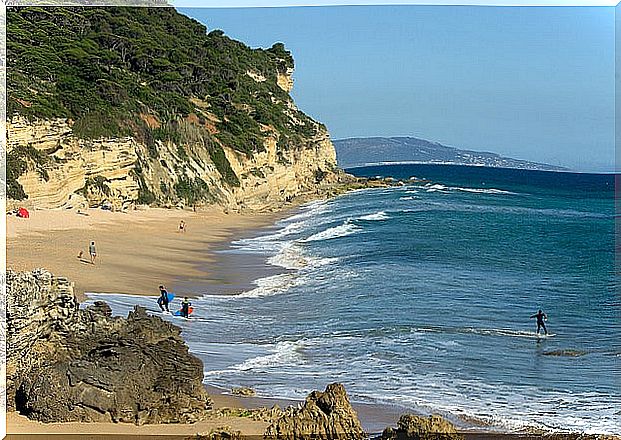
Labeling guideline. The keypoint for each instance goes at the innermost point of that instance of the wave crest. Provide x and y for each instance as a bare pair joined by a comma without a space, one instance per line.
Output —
381,215
334,232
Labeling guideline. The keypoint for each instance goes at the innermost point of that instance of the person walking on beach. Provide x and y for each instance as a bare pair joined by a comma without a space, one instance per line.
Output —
541,317
182,226
185,307
92,252
162,301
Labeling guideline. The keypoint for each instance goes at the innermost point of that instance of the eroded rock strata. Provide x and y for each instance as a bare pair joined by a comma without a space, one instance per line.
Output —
123,106
66,364
324,415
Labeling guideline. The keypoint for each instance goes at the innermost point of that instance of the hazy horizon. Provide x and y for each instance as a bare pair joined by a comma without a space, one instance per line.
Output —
530,83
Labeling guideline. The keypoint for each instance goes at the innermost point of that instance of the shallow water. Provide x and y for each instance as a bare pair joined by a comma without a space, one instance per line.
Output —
421,295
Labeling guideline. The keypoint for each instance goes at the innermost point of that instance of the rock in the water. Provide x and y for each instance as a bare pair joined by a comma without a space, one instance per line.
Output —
565,353
411,427
67,364
324,416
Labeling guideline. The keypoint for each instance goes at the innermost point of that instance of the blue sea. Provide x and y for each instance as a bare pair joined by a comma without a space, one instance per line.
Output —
421,295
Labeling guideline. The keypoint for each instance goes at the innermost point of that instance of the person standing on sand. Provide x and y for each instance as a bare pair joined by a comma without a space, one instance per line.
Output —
162,301
541,317
92,251
182,226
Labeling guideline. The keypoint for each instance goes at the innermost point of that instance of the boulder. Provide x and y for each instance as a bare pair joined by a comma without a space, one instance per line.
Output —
325,415
412,427
87,366
243,392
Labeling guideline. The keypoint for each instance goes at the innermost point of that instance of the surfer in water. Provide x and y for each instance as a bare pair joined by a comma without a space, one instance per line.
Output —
541,317
162,301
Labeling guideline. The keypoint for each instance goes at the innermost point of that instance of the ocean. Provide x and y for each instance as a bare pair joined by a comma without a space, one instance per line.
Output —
421,295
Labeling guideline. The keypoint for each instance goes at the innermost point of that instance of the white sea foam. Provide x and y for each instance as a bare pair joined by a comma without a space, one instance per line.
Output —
436,188
484,190
283,353
271,242
310,210
480,331
292,257
334,232
442,188
381,215
273,285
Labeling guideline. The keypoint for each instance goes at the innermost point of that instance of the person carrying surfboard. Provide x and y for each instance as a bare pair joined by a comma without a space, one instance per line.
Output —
541,317
185,307
162,301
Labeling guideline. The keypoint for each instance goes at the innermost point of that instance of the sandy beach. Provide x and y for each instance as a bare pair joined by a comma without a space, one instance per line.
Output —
136,251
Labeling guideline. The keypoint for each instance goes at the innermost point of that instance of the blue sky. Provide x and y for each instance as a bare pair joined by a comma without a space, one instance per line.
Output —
534,83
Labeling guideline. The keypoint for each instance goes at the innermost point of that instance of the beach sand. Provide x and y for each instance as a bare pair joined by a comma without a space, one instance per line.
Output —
136,252
17,424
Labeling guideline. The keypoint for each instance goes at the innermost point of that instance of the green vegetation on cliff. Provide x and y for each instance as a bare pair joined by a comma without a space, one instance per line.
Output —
147,73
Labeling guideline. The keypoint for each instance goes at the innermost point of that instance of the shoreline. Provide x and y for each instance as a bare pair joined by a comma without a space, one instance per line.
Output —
136,251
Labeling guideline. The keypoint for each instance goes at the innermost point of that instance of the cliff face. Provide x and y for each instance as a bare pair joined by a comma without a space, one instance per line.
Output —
121,106
72,170
66,364
119,171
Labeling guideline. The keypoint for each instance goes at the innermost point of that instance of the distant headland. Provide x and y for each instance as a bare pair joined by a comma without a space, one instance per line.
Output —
354,152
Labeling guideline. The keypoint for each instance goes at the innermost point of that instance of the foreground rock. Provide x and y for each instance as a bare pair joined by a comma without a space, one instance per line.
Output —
411,427
327,415
66,364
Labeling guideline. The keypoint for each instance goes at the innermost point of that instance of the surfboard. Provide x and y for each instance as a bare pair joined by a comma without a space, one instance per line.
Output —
171,296
190,310
549,335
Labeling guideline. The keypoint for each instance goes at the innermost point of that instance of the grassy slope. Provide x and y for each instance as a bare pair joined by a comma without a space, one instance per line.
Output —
106,68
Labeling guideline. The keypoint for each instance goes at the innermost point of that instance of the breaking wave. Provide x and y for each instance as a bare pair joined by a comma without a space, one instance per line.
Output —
343,230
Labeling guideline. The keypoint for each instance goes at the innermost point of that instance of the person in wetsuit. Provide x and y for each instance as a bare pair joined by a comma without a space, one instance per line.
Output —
185,307
541,317
162,301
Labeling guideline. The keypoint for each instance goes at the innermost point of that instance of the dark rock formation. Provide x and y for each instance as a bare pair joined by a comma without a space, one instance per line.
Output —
66,364
565,353
411,427
326,415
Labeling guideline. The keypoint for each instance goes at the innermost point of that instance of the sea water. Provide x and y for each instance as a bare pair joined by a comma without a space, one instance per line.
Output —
421,295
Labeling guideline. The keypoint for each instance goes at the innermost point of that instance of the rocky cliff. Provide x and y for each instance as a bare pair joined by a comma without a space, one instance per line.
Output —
67,364
121,106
